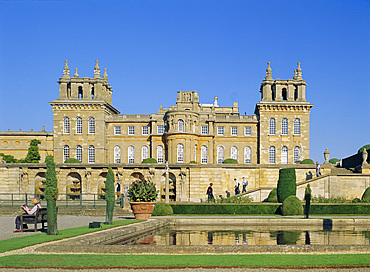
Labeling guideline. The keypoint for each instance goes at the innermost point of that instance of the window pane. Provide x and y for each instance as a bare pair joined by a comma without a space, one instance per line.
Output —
79,153
66,125
234,153
78,125
160,154
181,125
180,153
145,130
117,130
204,154
91,158
220,154
272,154
131,130
284,155
248,155
297,126
91,125
234,131
144,153
65,153
284,126
220,130
248,131
160,129
117,154
204,129
272,127
131,154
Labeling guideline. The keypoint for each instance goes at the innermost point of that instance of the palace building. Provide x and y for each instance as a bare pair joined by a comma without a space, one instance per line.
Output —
189,135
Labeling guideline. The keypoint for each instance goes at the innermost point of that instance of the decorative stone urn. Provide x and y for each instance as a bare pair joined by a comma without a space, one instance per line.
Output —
142,210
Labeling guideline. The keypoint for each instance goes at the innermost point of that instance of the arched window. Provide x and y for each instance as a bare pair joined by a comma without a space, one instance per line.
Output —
91,157
91,125
247,154
181,125
195,153
117,154
144,152
66,125
204,154
131,154
180,153
65,153
79,153
272,126
220,154
295,153
272,153
284,126
92,93
297,126
234,153
78,125
160,154
284,155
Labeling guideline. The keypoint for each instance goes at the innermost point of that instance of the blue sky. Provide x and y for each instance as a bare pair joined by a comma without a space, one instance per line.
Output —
152,49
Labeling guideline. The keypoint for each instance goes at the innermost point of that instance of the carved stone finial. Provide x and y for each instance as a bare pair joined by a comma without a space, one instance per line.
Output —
66,70
216,102
105,75
268,72
96,70
326,155
76,74
298,72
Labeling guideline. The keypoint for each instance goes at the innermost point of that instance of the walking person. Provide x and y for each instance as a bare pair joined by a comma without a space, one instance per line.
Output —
118,189
245,184
35,201
210,192
318,169
237,189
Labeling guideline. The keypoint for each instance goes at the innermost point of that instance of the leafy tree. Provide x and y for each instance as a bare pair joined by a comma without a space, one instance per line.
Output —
51,195
307,198
33,155
8,158
286,184
362,148
109,196
334,160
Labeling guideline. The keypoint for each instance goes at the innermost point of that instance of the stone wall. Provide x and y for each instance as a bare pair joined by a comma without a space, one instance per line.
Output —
188,182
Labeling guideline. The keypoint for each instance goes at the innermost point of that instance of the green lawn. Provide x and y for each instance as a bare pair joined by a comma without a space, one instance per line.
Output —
20,242
269,260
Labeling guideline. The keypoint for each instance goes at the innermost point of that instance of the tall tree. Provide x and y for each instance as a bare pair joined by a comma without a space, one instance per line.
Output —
51,195
109,196
307,198
33,155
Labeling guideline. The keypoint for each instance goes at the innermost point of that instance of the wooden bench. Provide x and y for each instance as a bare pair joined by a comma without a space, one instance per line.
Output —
40,216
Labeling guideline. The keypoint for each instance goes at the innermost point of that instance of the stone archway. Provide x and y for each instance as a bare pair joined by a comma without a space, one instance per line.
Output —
135,176
101,185
172,187
73,186
40,184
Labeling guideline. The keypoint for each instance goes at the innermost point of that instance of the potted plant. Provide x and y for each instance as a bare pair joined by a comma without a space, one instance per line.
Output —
142,196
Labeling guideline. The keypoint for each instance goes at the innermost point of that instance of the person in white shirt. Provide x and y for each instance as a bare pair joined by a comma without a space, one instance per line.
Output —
35,201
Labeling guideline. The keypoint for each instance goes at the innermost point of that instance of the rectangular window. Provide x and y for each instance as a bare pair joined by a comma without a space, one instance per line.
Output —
131,130
220,130
248,131
117,130
234,131
160,129
204,129
145,130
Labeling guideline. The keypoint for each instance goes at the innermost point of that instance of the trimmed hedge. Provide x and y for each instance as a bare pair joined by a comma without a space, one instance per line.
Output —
366,195
272,196
230,161
286,185
307,161
225,208
162,209
292,206
267,209
72,160
149,160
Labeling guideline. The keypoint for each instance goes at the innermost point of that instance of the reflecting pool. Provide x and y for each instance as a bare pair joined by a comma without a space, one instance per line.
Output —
238,235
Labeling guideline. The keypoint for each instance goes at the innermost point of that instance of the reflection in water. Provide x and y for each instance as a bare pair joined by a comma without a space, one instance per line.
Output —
188,236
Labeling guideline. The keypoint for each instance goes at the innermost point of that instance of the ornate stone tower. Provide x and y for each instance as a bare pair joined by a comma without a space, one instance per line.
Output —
284,119
79,117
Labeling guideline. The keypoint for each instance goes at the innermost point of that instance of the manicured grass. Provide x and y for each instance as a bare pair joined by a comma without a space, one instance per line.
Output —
268,260
20,242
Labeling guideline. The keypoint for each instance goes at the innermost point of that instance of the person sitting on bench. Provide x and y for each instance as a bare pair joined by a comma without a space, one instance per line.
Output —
35,201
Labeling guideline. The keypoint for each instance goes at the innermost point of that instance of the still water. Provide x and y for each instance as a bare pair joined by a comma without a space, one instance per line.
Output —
196,235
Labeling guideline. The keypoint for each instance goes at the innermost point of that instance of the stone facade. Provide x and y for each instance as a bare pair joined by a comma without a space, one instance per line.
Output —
194,138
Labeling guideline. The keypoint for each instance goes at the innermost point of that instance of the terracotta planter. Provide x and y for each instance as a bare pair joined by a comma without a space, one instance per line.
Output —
142,210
